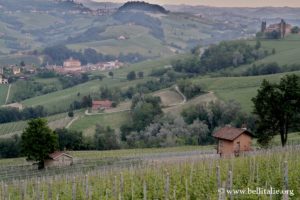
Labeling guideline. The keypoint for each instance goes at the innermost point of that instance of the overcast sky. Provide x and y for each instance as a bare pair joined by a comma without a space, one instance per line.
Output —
227,3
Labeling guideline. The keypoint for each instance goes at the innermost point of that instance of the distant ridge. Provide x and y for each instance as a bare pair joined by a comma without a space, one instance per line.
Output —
144,6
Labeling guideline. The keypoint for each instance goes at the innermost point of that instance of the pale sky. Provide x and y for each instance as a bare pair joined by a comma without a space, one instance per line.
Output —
225,3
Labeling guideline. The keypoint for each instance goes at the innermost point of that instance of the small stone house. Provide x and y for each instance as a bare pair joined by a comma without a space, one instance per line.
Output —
59,159
233,141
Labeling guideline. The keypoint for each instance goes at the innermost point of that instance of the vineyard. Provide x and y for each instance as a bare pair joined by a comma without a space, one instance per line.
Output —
197,174
55,121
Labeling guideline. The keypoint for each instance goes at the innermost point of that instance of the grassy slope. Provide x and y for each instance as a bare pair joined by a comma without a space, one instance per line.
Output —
139,41
240,89
55,121
3,93
287,52
87,124
61,100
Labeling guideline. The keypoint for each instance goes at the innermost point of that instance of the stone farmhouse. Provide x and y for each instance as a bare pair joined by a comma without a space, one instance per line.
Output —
59,159
233,141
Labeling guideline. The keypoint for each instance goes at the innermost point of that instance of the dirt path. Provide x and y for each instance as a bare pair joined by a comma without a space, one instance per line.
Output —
8,93
72,121
182,95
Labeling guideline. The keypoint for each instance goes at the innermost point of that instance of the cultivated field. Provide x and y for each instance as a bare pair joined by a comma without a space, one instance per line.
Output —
158,174
287,51
240,89
55,121
87,124
3,93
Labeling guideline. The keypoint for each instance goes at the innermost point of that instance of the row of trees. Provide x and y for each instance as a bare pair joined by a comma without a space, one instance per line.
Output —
269,68
13,114
221,56
58,54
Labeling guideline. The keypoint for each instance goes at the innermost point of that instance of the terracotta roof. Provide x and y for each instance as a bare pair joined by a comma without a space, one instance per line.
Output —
105,103
230,133
58,154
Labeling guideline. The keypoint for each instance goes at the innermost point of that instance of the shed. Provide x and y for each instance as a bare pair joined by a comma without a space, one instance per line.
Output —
59,159
233,141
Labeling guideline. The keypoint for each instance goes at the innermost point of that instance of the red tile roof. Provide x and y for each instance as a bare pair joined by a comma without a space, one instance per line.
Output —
105,103
57,154
230,133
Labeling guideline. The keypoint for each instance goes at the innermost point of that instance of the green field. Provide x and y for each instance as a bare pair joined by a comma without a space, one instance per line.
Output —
3,93
287,52
240,89
87,124
60,100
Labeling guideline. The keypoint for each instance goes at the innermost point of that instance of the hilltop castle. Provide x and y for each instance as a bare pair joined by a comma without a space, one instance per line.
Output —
283,28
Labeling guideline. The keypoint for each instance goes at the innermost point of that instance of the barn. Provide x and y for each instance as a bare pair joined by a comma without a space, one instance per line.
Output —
233,141
59,159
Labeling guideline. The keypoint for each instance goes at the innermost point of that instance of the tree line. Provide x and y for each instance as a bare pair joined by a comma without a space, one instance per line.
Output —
58,54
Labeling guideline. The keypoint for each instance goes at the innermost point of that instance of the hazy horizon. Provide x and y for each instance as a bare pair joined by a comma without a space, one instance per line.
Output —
224,3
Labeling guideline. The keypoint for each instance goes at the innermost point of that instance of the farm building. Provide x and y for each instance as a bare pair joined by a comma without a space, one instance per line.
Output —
233,141
3,80
59,159
99,105
72,65
16,70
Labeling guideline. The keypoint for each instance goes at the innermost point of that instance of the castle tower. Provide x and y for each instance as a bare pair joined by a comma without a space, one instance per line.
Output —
282,28
263,26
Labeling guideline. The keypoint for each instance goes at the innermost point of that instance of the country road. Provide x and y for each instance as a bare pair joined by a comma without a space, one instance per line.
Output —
8,93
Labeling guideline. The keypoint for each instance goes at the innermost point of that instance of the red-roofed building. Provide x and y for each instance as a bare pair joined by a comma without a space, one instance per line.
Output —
99,105
59,159
233,140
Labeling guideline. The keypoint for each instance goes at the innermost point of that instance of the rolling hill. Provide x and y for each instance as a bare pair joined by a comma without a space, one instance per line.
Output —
30,25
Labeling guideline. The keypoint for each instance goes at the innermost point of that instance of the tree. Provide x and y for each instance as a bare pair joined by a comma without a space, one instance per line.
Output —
141,74
258,44
71,140
22,63
111,74
295,30
131,76
105,138
71,113
277,107
38,141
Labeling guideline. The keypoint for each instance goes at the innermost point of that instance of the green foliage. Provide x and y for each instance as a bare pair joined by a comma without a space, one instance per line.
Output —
131,76
38,141
278,108
273,35
69,140
111,74
295,30
105,138
218,114
227,54
189,89
145,109
13,114
189,65
10,147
